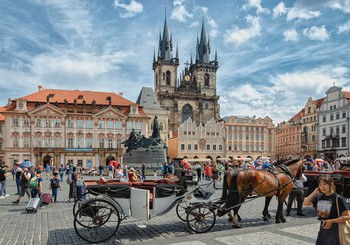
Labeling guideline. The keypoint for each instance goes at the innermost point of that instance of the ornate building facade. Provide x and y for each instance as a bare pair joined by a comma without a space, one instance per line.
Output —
288,134
85,128
249,137
309,121
333,125
198,141
192,94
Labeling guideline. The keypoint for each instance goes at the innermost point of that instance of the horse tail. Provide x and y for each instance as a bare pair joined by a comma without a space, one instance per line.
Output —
233,197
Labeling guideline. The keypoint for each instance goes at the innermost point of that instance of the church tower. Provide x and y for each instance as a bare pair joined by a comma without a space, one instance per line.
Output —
193,94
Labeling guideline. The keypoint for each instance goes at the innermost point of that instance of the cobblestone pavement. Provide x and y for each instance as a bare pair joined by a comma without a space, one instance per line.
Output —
54,225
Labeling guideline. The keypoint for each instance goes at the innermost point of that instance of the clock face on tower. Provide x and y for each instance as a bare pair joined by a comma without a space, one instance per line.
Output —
187,78
134,109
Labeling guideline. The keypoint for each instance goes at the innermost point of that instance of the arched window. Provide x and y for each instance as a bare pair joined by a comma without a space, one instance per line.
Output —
187,112
168,77
206,80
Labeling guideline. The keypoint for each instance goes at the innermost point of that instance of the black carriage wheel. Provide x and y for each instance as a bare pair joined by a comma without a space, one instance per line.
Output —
201,218
181,209
82,199
96,221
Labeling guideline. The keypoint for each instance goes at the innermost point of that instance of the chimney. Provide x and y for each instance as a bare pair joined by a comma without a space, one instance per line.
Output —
40,88
121,94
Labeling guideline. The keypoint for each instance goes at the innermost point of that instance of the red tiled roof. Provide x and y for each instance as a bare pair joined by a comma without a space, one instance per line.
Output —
296,116
70,95
347,95
319,102
2,117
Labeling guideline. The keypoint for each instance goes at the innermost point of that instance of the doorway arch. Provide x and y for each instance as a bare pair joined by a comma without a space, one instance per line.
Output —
109,158
47,161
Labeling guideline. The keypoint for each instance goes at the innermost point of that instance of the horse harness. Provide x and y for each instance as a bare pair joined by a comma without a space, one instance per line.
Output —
270,169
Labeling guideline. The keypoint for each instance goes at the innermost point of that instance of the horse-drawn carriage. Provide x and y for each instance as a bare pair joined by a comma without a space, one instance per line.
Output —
98,213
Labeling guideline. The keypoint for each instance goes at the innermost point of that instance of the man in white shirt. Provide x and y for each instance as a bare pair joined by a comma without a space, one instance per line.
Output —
298,193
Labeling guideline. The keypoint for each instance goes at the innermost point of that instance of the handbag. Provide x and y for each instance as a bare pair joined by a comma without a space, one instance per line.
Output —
344,229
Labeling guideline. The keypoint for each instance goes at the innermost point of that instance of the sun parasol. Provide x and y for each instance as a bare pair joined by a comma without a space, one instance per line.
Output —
319,160
25,163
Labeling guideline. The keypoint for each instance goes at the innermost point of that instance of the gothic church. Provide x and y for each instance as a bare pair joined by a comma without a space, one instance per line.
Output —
192,94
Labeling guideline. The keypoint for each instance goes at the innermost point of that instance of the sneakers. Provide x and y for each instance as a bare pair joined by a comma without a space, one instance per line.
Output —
16,202
288,213
2,197
7,195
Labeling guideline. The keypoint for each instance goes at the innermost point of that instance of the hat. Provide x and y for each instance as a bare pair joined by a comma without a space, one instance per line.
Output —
132,169
25,166
39,171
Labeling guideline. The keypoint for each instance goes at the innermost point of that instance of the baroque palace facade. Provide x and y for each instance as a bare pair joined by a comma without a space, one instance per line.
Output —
62,126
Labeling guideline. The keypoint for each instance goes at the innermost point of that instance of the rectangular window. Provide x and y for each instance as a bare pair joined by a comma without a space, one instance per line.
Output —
189,146
110,124
252,137
343,142
47,142
118,125
89,124
208,147
139,125
129,125
323,132
332,117
182,147
80,123
70,142
214,147
324,119
119,142
14,122
101,142
195,147
47,123
38,123
26,142
220,147
70,123
251,147
88,142
337,130
57,123
16,142
26,122
343,128
80,142
343,114
101,124
337,116
57,142
110,143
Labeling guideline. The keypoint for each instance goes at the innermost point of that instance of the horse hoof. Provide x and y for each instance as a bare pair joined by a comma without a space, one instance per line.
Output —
278,221
230,219
268,215
284,220
237,226
265,218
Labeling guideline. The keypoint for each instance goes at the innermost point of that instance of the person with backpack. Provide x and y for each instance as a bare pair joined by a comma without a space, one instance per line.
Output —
54,186
61,172
24,180
74,177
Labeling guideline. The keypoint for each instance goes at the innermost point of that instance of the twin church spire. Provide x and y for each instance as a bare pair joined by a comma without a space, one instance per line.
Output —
165,47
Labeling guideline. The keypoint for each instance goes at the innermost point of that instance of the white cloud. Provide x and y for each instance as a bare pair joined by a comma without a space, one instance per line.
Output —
316,33
280,9
301,12
344,28
290,35
130,9
343,5
284,95
180,13
256,4
239,36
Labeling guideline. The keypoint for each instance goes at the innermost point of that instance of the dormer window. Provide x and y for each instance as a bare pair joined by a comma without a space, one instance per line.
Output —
21,105
80,97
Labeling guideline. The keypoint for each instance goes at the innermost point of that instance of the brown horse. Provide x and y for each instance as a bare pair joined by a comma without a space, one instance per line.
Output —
275,181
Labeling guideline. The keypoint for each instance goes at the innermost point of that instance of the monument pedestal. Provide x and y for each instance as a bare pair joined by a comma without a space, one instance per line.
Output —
152,159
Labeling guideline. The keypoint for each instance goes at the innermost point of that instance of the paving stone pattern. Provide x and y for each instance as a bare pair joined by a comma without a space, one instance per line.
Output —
54,225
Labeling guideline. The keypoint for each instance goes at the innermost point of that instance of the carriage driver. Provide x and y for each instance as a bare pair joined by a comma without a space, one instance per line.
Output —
298,194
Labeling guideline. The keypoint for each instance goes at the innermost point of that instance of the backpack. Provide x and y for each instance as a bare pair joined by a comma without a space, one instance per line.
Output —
55,183
69,179
33,183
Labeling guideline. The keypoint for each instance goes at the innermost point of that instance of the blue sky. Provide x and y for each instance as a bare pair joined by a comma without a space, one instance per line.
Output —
273,55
